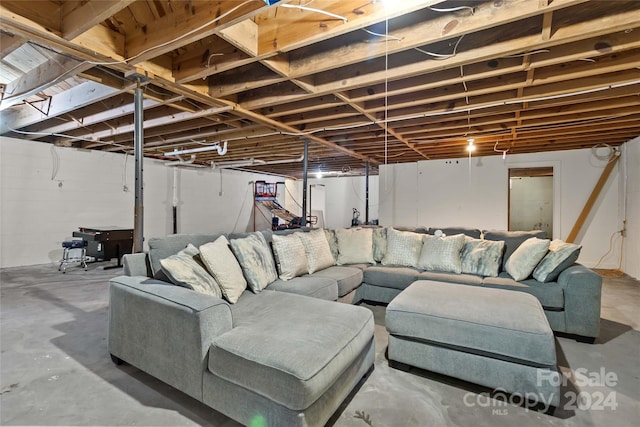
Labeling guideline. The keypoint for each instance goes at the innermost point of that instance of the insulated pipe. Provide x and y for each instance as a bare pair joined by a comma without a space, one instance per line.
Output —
305,167
138,137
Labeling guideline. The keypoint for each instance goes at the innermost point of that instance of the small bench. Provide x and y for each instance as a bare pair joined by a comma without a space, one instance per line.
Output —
491,337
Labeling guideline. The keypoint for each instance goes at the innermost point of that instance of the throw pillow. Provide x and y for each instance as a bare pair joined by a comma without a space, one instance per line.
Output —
317,250
255,258
224,267
185,269
164,247
291,258
523,260
379,243
441,253
355,246
403,248
333,243
512,239
482,257
561,256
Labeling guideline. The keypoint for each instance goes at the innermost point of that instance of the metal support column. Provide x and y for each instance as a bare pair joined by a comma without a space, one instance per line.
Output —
304,183
138,137
366,203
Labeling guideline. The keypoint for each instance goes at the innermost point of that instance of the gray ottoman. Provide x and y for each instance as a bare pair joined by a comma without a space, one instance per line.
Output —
492,337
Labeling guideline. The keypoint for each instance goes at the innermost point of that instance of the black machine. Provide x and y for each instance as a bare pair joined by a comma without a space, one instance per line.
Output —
105,243
355,220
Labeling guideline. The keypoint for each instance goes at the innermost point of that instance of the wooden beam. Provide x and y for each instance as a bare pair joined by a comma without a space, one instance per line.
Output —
62,103
573,234
57,69
9,43
547,20
187,25
488,15
88,15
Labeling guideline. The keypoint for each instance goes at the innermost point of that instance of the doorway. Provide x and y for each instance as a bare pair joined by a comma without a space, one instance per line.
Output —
531,199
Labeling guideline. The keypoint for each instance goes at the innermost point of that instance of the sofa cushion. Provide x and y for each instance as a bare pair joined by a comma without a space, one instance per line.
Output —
355,245
255,258
348,278
403,248
316,343
443,276
523,260
451,231
164,247
291,258
441,253
224,267
390,277
482,257
310,286
561,255
186,269
333,243
379,243
512,239
317,250
550,294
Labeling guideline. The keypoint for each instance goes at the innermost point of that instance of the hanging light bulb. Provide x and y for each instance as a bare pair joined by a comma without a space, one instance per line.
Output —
471,147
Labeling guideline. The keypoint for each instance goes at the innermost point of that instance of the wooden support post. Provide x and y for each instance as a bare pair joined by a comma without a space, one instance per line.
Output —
592,199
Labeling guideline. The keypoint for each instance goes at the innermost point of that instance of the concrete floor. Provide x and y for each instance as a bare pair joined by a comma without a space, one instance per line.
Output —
55,369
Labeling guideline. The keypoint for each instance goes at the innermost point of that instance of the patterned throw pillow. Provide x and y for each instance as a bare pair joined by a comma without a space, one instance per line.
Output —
255,258
317,250
523,260
185,269
333,243
441,253
291,258
403,248
561,256
355,246
224,267
482,257
379,243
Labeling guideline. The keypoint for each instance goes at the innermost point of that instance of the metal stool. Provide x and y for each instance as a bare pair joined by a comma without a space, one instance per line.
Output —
67,258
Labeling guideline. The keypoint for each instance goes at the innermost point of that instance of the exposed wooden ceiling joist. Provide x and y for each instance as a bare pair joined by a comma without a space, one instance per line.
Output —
532,75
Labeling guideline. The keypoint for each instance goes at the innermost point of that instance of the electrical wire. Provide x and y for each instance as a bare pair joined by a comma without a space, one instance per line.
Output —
382,35
441,56
55,159
454,9
125,188
292,198
244,199
311,9
609,251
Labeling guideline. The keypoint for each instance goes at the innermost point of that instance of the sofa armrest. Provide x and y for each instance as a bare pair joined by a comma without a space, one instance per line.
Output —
165,330
136,265
582,299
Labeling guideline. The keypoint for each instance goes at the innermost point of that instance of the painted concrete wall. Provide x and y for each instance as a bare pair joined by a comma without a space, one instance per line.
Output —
40,208
474,193
630,187
47,193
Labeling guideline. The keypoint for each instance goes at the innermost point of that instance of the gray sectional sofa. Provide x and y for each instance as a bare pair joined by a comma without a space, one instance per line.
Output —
287,353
